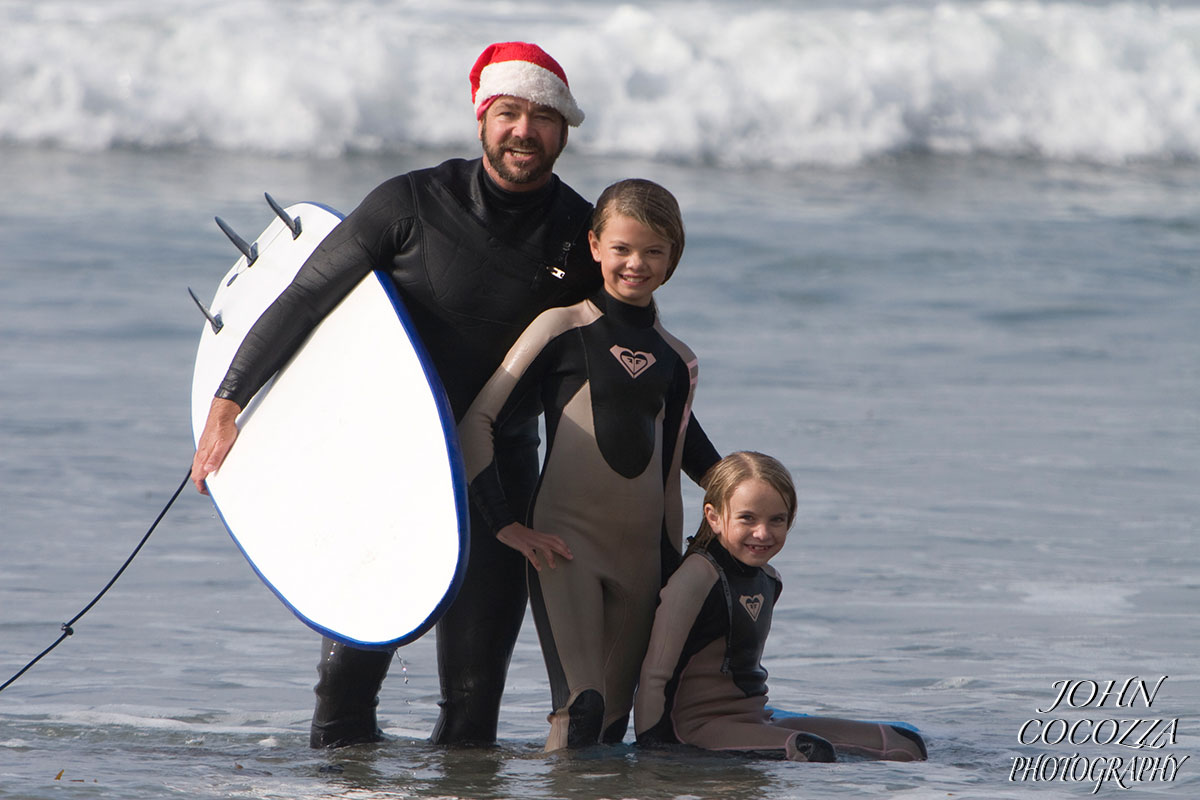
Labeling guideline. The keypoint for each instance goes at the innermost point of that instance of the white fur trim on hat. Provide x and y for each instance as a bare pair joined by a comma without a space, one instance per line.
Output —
529,81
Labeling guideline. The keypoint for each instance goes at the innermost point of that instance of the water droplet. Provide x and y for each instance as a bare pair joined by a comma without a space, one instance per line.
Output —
403,667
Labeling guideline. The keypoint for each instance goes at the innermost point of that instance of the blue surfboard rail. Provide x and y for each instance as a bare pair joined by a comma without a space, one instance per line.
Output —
453,453
777,713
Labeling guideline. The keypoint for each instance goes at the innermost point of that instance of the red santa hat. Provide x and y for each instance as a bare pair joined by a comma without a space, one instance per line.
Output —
524,70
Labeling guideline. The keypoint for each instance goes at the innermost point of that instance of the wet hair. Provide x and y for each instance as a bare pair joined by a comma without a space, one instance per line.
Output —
723,479
649,204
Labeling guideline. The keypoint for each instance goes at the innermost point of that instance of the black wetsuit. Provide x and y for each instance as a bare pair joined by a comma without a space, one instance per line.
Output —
475,264
617,392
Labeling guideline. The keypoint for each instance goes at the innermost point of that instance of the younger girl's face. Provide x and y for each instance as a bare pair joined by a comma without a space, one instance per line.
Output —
754,525
633,259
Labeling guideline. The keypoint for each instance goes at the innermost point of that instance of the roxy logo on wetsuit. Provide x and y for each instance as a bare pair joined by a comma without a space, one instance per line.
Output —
635,362
753,604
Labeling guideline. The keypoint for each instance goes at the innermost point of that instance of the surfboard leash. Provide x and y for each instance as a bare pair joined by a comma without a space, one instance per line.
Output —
68,627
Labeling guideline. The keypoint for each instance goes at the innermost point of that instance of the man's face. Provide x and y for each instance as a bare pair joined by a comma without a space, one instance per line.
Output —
521,142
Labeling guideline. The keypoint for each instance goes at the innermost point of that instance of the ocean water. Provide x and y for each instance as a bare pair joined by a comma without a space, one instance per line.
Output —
943,260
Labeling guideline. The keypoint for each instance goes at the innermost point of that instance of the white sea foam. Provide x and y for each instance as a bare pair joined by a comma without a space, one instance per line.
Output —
722,82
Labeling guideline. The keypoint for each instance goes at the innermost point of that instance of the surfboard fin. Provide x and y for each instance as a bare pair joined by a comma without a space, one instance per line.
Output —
293,223
213,320
250,251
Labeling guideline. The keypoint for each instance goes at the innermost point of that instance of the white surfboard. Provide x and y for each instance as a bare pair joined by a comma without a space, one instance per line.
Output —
345,488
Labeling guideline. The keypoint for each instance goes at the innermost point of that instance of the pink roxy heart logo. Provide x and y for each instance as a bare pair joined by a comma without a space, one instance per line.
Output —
753,604
635,362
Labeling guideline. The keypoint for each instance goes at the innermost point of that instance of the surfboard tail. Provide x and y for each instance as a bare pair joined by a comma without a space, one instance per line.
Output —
250,251
292,223
213,319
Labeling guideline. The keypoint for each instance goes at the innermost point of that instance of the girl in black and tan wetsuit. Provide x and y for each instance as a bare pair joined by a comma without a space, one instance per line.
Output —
702,682
616,390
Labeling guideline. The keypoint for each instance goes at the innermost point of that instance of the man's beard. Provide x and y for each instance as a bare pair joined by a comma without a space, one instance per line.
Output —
542,165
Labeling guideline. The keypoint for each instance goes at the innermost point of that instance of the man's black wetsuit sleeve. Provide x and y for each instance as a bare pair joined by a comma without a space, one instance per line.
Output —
358,244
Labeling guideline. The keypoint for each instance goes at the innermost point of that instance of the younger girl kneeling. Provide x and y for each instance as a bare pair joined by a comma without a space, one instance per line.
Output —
702,681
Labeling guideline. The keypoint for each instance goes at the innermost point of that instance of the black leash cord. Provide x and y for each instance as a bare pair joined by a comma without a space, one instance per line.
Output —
67,628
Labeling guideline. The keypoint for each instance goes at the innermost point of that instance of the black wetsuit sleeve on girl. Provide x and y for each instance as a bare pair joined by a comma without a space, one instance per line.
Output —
699,455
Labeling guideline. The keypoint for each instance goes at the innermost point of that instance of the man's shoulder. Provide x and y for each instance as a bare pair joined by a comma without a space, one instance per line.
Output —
403,194
453,172
572,197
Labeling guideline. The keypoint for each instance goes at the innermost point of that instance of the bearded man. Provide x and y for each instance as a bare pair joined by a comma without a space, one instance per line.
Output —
477,249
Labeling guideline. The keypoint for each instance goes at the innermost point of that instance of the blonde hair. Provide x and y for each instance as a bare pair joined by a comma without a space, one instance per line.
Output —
649,204
723,479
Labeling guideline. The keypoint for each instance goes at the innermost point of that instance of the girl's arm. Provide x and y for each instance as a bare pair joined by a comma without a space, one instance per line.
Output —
698,452
679,606
529,360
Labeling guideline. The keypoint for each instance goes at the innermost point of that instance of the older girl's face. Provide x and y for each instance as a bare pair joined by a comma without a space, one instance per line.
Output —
633,259
754,525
